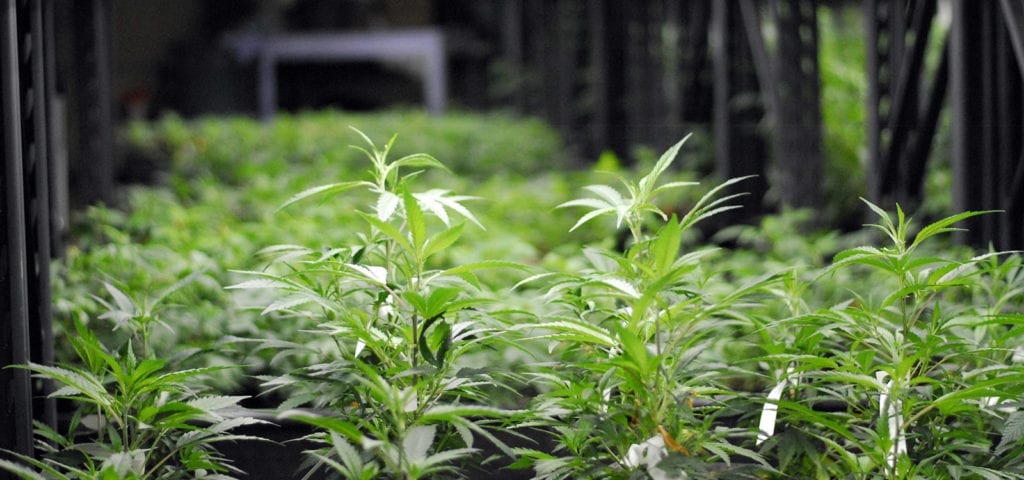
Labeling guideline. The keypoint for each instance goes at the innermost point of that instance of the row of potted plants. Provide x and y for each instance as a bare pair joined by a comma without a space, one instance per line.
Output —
657,356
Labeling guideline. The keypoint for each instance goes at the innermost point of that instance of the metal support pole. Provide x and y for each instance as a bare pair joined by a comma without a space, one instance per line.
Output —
879,73
15,392
740,149
37,158
798,153
94,167
968,78
608,81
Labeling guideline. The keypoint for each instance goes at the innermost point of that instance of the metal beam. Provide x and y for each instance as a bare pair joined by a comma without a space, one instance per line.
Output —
608,83
740,148
970,93
798,156
15,392
37,158
94,169
877,60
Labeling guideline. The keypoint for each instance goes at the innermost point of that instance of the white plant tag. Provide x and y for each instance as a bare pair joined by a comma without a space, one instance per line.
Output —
891,410
766,427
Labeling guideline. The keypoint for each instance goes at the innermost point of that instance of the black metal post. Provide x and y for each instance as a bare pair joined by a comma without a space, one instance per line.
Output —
36,155
879,73
798,155
567,29
15,391
970,53
607,82
94,168
740,148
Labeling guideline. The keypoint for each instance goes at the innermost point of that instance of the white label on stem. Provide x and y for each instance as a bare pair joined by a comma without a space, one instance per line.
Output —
766,428
891,410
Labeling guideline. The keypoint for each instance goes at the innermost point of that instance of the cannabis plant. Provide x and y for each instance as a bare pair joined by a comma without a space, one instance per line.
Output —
393,330
633,387
904,379
136,416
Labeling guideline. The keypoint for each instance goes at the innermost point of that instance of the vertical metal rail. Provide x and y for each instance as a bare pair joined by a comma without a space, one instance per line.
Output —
539,91
639,71
512,51
969,76
54,144
94,169
567,30
1013,16
740,149
597,79
56,141
36,156
798,153
878,40
696,65
15,392
608,83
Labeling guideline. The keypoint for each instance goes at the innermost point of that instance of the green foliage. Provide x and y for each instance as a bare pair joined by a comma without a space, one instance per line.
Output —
473,144
633,329
218,203
137,416
413,332
923,379
403,399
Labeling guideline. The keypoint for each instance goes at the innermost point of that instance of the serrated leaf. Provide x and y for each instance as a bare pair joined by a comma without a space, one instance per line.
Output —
236,422
418,441
21,471
621,285
634,349
578,331
387,204
481,265
589,216
124,303
287,303
328,191
437,200
665,246
258,283
375,274
449,413
419,160
585,202
430,203
213,403
82,382
945,225
606,193
415,222
671,185
442,240
389,230
1013,430
666,159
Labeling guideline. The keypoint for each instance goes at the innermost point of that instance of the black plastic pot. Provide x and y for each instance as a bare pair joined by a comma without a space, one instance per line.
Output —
282,457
